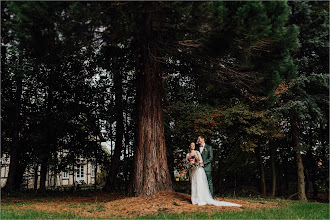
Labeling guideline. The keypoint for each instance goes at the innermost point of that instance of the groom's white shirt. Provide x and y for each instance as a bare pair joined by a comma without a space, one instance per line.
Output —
201,148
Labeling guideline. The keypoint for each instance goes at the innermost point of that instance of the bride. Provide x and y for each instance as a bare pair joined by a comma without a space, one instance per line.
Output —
200,192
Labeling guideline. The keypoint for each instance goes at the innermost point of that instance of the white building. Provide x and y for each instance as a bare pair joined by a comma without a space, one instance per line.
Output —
84,172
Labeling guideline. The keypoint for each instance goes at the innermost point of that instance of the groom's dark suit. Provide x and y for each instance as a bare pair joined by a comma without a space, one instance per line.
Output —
207,156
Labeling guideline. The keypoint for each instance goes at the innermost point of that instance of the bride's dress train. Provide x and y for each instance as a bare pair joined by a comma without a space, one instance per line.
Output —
200,192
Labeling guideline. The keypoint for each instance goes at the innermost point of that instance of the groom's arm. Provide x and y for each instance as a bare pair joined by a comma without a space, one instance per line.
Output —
210,157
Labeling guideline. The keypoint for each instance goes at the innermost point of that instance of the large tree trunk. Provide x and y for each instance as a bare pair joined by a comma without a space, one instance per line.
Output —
20,173
151,173
45,157
43,175
261,171
46,151
272,159
299,162
115,160
14,151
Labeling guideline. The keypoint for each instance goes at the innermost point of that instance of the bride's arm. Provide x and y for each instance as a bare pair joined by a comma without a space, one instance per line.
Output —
200,159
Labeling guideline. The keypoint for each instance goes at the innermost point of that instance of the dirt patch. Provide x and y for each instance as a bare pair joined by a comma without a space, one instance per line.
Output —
107,205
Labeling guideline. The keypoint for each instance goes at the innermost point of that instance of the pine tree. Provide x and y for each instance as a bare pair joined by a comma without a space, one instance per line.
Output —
305,101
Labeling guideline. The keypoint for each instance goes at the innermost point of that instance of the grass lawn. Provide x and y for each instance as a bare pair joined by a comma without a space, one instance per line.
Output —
84,208
286,210
32,214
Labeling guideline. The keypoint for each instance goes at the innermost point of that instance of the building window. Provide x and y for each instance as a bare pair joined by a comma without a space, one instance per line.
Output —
80,171
80,175
93,171
65,175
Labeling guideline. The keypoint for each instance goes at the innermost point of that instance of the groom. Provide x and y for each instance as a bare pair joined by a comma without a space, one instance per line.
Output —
207,156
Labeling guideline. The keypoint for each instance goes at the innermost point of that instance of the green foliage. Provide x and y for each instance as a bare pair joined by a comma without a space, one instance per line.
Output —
308,96
189,121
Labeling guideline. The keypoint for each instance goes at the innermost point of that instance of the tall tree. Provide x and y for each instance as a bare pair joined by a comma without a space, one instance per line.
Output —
150,172
12,60
306,98
14,152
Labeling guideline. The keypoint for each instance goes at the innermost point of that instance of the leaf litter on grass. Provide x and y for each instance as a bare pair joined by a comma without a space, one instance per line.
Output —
116,205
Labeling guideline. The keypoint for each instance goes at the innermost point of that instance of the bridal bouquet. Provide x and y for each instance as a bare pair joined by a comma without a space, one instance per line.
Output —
192,162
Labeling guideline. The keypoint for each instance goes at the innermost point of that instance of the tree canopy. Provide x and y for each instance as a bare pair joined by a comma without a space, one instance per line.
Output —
149,77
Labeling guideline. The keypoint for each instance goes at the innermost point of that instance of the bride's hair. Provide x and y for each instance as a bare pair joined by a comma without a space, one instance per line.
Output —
191,142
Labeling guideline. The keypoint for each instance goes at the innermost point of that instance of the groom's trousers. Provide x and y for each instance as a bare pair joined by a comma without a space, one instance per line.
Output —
209,180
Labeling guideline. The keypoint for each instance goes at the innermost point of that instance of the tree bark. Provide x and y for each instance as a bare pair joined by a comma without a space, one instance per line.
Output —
96,161
20,173
43,175
14,151
151,173
36,168
115,160
54,177
47,149
73,177
95,176
313,166
261,171
324,139
126,137
299,162
301,178
272,159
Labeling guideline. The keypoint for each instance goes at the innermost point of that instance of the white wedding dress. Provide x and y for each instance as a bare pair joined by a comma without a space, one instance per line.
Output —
200,192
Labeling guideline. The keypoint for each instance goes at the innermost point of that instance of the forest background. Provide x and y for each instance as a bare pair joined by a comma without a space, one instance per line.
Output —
152,76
